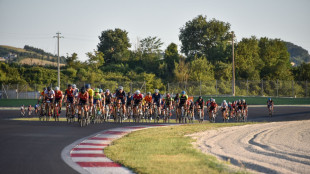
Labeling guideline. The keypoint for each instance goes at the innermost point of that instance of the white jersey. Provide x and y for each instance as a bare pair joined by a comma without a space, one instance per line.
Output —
76,92
50,93
224,105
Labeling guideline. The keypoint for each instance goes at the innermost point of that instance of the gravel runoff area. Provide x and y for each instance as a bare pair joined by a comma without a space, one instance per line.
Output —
277,147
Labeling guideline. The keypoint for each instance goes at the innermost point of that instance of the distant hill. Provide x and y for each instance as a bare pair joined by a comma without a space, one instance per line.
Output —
31,54
298,55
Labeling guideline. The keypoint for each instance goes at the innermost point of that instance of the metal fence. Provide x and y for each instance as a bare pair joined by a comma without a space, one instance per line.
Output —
276,88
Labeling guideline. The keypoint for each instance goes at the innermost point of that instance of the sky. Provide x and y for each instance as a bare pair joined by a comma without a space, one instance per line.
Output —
80,22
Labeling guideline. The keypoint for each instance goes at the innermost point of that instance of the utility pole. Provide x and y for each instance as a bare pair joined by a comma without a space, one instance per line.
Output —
58,66
233,65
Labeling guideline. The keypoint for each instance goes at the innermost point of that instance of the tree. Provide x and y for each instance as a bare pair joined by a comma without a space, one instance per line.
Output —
114,45
204,38
248,63
96,60
171,56
201,70
181,71
303,72
150,45
71,60
274,54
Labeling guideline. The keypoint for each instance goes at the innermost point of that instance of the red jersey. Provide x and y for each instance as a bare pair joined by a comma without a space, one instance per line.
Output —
69,92
213,104
83,96
58,94
138,97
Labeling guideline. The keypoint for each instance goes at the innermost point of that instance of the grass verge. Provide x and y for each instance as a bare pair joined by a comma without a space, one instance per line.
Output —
166,150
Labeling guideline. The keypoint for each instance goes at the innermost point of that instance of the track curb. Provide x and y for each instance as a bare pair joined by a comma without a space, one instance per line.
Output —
86,155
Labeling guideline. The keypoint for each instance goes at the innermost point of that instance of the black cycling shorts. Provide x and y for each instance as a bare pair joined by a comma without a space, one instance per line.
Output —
82,102
70,99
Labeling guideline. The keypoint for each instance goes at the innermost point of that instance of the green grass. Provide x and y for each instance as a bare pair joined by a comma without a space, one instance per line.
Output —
250,101
17,102
167,150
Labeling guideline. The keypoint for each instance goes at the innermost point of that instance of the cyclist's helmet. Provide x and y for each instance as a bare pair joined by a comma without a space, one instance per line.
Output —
100,90
69,85
44,89
269,99
148,93
224,101
129,93
199,97
120,88
49,88
74,86
183,93
87,86
97,90
56,88
168,95
137,92
213,100
229,103
83,90
177,94
243,100
156,91
107,91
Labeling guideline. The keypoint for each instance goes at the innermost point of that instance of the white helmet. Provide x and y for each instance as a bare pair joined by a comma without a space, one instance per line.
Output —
213,100
73,86
156,91
107,90
120,88
138,92
56,88
224,101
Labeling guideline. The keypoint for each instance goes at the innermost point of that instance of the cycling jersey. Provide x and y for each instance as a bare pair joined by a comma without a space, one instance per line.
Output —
176,98
58,94
244,105
75,92
108,98
129,99
90,93
96,98
168,101
69,93
121,95
148,99
183,99
201,102
83,96
49,93
137,98
270,103
156,98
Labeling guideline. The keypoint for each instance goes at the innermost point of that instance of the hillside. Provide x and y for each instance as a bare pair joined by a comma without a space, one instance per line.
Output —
31,61
38,56
298,54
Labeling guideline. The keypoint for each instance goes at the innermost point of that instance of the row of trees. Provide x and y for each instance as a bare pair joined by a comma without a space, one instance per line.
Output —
206,54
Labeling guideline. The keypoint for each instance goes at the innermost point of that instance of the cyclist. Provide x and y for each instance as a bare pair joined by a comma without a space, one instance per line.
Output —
200,105
97,100
176,102
36,108
168,104
245,107
58,98
148,102
239,106
120,95
212,107
22,110
183,102
41,98
270,105
107,100
230,109
29,110
137,99
156,97
129,98
69,98
49,96
82,100
191,106
224,109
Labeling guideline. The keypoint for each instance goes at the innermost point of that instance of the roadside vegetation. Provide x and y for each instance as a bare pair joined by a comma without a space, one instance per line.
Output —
167,150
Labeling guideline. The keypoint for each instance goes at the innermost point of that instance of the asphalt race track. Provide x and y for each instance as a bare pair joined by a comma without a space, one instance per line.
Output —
35,147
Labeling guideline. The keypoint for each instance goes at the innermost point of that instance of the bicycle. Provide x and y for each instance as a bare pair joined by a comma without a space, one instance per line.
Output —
183,115
84,117
69,116
270,109
107,113
167,115
56,111
200,116
119,114
48,112
42,112
147,115
156,115
213,116
129,113
190,116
